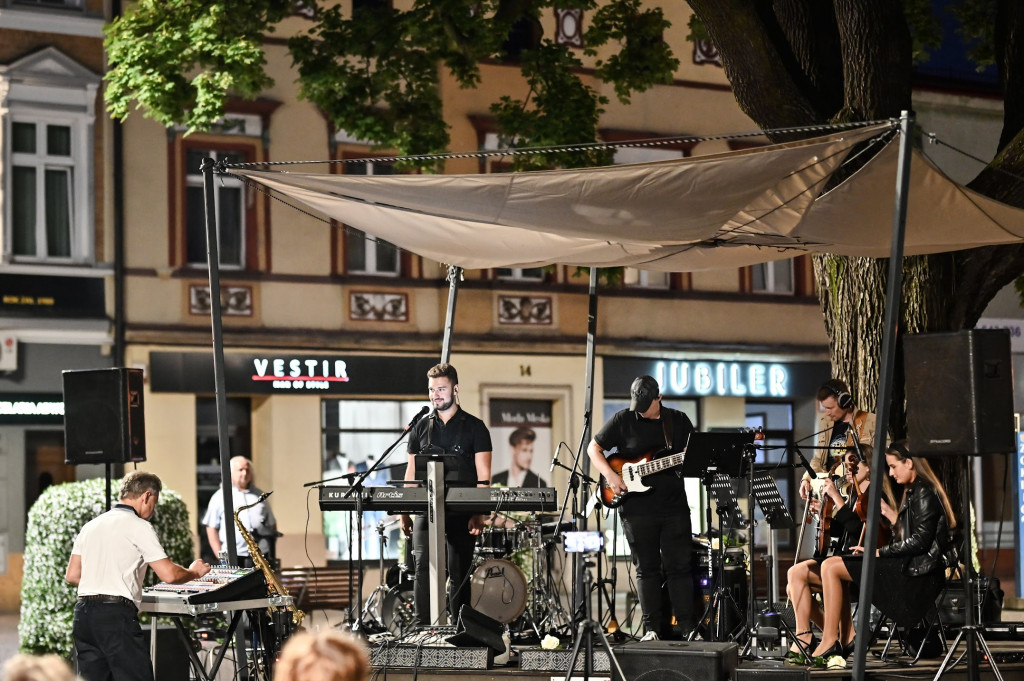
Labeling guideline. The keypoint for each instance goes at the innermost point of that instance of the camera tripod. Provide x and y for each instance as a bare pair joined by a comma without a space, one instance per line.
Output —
586,632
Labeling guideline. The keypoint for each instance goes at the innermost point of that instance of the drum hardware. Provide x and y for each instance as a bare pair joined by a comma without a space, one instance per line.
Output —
377,604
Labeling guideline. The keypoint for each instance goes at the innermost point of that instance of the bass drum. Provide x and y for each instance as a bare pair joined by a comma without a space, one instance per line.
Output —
499,590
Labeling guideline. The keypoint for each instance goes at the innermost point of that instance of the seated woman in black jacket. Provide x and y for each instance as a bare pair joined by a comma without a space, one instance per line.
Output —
910,570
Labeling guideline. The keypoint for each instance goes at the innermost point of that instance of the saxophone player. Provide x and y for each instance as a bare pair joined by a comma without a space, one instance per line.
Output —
258,520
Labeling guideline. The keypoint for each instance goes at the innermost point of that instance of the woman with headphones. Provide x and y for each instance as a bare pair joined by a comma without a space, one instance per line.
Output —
911,569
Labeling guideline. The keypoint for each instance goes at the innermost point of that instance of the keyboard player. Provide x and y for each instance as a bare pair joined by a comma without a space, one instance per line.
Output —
448,429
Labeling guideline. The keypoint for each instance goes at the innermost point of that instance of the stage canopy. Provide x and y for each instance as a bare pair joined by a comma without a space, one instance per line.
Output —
724,210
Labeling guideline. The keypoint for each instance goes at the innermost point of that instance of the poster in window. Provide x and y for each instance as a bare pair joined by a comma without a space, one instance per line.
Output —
521,437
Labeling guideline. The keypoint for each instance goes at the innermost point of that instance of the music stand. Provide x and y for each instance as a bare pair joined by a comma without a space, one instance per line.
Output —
709,453
766,494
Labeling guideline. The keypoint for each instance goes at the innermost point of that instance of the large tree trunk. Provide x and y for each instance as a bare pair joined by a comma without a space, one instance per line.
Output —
800,62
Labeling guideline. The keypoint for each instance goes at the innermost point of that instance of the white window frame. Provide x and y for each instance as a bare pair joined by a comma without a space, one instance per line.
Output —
50,88
193,179
519,274
371,266
771,285
636,278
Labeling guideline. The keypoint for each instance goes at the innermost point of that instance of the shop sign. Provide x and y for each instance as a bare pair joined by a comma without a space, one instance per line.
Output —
718,378
31,409
277,373
32,295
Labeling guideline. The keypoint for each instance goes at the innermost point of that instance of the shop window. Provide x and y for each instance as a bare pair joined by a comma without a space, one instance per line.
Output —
46,200
772,277
208,469
355,433
364,253
60,4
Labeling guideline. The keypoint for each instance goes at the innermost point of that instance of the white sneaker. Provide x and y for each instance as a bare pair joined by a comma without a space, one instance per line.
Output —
650,636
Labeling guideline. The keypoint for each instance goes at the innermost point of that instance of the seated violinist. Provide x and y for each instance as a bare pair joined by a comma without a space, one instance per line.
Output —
911,568
846,513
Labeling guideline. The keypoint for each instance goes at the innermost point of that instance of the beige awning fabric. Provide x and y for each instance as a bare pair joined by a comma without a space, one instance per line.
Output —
723,210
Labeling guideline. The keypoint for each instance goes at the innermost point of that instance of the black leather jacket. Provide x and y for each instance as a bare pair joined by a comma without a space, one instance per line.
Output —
924,531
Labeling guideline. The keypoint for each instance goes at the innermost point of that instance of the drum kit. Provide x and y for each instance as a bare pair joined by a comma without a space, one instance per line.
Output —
511,582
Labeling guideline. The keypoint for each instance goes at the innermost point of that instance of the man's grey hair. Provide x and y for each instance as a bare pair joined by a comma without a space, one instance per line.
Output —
137,483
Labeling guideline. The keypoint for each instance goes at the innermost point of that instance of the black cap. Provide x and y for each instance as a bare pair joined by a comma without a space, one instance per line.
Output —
643,391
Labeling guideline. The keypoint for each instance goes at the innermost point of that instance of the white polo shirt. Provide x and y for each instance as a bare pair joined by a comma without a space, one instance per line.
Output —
116,548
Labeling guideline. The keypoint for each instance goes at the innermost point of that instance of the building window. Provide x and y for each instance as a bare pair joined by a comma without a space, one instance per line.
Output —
532,274
775,419
364,253
229,206
352,430
645,278
772,277
208,470
46,147
61,4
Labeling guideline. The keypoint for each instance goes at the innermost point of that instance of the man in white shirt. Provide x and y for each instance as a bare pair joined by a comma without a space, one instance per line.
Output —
108,564
258,520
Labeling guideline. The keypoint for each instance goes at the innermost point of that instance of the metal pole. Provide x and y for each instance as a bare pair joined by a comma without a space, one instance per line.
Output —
885,379
581,595
454,277
219,381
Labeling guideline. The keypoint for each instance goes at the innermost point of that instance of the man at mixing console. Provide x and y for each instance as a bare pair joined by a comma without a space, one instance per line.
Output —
108,563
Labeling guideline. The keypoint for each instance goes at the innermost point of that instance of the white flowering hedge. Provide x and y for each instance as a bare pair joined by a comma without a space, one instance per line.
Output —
47,601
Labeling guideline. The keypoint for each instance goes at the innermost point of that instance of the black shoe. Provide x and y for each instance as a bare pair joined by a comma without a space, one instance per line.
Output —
834,651
849,648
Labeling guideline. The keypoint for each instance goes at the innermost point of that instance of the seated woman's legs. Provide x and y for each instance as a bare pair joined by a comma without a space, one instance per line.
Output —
803,579
834,580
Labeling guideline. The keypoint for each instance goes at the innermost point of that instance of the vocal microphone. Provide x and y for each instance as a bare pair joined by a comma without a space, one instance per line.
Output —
805,462
554,459
420,414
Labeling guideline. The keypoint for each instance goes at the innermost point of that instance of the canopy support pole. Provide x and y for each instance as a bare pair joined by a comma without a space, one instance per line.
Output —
454,277
894,286
580,591
208,167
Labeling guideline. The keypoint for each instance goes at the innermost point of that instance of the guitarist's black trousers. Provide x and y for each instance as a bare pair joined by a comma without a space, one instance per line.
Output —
661,544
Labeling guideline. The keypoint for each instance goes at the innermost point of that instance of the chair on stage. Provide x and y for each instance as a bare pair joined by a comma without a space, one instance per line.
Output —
916,623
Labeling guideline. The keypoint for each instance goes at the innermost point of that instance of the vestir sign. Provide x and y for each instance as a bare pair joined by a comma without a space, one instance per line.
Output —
277,373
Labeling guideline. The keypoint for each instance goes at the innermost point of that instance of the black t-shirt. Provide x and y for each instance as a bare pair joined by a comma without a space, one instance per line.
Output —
633,435
464,436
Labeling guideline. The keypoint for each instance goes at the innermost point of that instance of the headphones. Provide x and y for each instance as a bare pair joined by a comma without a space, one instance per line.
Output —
843,398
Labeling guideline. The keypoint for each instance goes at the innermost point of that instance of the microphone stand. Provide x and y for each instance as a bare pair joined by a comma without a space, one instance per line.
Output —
356,626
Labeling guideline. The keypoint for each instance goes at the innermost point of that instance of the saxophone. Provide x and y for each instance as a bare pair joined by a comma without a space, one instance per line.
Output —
274,586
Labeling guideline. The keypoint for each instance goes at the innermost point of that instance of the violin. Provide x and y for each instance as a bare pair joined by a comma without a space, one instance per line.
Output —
884,534
828,507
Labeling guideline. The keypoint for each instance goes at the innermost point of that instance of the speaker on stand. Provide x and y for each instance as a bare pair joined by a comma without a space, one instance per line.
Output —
104,419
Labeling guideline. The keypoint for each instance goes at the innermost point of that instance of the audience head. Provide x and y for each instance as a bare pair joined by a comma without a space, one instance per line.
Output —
23,667
323,656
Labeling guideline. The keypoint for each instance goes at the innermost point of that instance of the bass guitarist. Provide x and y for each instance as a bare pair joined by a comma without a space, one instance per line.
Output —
656,523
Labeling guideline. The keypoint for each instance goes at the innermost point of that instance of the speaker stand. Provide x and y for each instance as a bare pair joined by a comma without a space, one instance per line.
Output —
970,632
586,632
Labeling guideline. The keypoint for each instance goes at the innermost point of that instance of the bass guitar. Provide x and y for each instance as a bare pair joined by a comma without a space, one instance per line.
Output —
632,469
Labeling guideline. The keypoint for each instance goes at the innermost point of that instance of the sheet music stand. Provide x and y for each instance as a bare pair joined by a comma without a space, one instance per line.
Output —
768,498
709,453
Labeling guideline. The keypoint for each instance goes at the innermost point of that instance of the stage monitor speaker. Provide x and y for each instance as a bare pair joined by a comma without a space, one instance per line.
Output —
104,421
959,392
676,661
477,629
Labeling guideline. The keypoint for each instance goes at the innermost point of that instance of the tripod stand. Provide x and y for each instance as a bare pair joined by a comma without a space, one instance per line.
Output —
722,606
587,629
970,632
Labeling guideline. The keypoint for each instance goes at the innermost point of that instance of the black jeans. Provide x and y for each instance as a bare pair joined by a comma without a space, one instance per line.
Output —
460,545
109,643
662,551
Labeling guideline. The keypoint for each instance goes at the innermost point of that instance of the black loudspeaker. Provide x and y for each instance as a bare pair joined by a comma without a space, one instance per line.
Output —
476,629
959,392
676,661
104,421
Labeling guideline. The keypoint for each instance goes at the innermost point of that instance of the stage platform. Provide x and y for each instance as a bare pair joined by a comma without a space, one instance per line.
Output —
698,661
